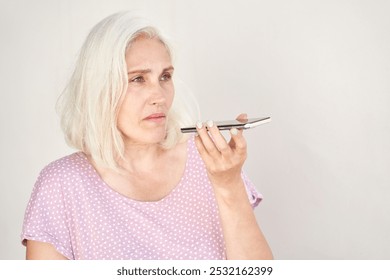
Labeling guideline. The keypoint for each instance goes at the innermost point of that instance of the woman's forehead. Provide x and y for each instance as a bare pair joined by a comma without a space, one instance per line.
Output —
147,51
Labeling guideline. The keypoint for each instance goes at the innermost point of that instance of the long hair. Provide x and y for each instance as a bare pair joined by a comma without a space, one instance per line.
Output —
90,103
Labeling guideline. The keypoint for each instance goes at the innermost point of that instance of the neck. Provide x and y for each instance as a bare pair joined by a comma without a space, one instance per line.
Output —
141,157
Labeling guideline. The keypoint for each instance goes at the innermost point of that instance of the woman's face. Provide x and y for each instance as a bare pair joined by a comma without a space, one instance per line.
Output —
143,114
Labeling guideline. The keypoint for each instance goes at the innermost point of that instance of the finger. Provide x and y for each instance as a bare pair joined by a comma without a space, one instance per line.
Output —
237,134
242,116
201,148
219,140
207,142
237,141
233,132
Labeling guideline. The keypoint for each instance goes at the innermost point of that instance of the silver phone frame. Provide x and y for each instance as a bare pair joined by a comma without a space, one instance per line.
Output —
227,125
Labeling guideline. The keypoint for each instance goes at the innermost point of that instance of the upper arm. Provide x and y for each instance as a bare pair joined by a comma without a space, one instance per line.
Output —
36,250
45,229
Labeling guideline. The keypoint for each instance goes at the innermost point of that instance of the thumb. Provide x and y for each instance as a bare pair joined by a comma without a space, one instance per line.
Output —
242,116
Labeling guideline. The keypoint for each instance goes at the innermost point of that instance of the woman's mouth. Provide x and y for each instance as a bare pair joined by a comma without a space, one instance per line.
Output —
157,117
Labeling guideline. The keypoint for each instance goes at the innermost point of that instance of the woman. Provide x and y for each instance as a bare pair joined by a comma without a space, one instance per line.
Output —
138,189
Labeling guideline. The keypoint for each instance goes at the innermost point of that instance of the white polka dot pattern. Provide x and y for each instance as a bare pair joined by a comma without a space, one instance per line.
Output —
74,210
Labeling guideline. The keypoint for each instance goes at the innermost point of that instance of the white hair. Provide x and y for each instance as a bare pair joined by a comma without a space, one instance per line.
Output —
90,103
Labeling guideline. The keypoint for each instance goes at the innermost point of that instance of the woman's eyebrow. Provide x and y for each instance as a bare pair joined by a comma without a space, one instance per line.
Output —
145,71
170,68
139,71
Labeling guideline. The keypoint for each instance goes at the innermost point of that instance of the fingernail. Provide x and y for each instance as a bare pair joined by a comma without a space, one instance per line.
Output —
234,131
199,124
210,123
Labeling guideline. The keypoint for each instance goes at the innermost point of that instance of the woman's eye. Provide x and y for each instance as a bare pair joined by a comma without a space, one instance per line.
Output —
138,79
166,77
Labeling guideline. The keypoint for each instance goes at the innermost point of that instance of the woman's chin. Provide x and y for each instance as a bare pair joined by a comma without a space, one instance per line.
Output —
155,138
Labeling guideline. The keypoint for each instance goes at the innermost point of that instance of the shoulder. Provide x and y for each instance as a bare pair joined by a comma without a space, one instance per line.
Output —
58,180
63,169
69,163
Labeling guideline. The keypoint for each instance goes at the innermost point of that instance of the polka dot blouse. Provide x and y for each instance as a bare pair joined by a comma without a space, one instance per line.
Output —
83,218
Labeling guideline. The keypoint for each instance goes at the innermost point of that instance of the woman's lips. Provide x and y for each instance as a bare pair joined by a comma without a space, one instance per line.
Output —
158,117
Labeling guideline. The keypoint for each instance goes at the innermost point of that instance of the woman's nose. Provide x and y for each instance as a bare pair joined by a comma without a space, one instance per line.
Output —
157,94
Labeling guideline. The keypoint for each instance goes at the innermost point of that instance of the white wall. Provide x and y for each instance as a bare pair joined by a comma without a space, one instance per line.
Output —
320,69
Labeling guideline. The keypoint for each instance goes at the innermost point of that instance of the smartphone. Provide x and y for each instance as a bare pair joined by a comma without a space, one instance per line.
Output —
226,125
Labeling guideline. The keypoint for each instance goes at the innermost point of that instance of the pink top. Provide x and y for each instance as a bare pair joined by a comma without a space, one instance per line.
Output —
72,208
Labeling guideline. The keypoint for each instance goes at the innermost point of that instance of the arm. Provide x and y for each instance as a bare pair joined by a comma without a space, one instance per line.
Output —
224,161
36,250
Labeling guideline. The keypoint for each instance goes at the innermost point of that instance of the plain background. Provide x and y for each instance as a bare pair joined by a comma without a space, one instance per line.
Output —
320,69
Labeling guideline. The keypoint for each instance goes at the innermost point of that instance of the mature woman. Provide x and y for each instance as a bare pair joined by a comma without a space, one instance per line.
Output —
137,188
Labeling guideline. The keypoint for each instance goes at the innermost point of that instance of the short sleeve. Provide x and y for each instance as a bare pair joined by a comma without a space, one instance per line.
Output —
253,195
45,217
